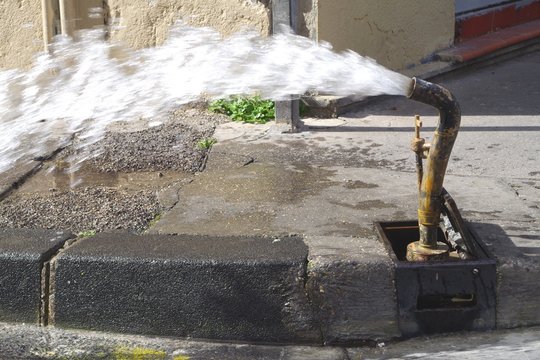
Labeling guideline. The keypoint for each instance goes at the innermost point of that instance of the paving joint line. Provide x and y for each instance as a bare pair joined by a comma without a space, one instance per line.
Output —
309,295
27,175
47,283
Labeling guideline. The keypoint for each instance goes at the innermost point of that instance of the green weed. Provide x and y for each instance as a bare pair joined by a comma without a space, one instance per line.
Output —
86,233
206,143
138,353
251,109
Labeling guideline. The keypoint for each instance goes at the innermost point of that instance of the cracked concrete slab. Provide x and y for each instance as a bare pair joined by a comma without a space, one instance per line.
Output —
276,198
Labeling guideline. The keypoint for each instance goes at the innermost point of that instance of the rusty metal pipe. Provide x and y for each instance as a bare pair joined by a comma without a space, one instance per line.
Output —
429,204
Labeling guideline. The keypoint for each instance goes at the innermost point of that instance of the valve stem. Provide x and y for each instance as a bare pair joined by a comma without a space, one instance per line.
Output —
417,146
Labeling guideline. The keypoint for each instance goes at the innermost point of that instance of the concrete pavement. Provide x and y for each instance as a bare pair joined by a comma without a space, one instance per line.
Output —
32,342
326,185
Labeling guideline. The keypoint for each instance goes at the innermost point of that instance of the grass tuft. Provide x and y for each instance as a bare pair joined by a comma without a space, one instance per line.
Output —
206,143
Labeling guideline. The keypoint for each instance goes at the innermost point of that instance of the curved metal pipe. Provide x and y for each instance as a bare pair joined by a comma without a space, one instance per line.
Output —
429,200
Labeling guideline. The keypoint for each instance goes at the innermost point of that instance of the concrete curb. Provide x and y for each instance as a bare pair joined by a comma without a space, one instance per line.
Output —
229,288
258,289
262,289
24,255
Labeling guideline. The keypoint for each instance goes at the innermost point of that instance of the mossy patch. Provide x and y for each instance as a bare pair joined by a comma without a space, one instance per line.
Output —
86,233
138,353
154,221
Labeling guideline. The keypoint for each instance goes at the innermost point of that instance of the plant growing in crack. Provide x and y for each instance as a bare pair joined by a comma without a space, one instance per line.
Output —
154,221
86,233
249,109
206,143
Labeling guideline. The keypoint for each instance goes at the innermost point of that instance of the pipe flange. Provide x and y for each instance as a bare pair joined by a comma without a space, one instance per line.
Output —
418,252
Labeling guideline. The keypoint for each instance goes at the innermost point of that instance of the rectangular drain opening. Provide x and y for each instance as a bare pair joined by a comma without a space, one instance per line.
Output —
442,296
445,301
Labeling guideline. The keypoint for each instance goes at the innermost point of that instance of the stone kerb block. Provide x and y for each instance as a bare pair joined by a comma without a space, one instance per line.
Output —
234,288
23,253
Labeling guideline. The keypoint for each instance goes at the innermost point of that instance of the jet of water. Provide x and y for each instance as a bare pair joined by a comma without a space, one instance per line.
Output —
82,85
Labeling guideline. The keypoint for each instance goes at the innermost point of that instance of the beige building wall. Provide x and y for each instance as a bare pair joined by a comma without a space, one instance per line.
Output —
397,33
142,23
139,23
22,33
84,14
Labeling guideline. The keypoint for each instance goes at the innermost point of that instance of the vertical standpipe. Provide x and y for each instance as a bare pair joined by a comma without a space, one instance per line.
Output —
284,13
429,199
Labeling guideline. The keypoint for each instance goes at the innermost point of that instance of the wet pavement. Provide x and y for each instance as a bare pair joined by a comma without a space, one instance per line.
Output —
122,182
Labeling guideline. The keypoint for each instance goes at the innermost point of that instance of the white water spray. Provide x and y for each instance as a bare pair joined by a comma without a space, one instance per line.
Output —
83,85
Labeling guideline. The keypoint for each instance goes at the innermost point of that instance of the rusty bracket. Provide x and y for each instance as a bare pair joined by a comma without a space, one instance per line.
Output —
417,146
450,209
421,148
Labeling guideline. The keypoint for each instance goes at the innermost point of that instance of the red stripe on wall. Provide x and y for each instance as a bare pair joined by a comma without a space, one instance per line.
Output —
473,25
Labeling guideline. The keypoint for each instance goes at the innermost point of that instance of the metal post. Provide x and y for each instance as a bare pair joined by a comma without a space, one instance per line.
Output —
63,17
45,19
284,13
